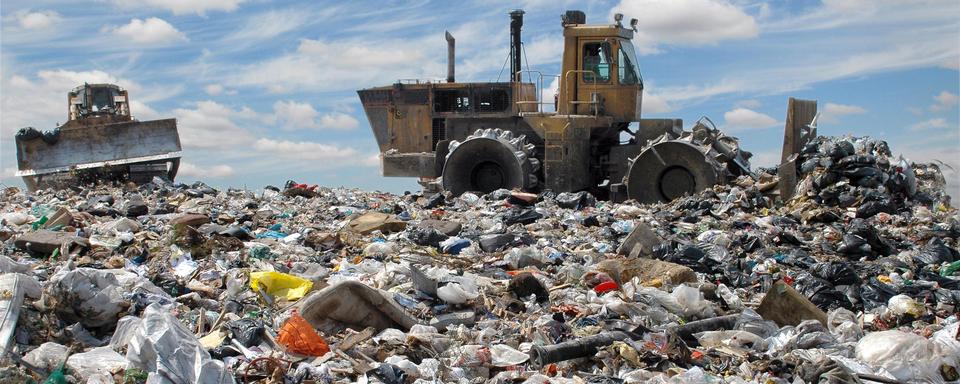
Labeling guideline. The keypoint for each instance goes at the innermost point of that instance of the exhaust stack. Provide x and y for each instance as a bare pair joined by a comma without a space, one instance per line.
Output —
516,21
451,56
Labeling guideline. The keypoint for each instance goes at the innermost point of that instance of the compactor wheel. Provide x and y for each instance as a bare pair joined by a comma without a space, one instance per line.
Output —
488,160
668,170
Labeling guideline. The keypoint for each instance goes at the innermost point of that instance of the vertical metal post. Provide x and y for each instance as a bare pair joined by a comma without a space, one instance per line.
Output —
516,22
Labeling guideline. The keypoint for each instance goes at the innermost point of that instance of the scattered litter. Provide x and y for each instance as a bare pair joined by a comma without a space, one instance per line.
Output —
856,277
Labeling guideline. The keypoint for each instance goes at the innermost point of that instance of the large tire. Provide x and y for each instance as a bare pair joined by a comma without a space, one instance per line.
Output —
488,160
670,169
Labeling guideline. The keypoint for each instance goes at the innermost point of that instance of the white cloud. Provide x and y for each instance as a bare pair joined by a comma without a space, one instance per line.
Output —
210,126
831,112
179,7
768,158
141,111
928,124
213,89
36,20
749,103
741,119
201,172
295,115
372,160
953,64
685,22
945,101
305,150
654,103
150,31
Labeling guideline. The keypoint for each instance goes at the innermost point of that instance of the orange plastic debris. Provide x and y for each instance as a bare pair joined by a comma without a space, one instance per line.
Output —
298,336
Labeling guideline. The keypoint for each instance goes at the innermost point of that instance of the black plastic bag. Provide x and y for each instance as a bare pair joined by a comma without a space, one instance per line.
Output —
524,217
427,237
873,293
434,201
935,252
576,200
837,273
872,208
247,331
820,292
390,374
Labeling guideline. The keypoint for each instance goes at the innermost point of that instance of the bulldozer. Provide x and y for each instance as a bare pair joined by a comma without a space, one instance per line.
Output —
101,141
480,137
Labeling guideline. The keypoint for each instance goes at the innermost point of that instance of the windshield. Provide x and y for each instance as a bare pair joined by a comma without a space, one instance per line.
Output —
628,71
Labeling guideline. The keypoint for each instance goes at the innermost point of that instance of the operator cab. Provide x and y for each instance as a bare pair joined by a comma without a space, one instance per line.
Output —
96,100
599,74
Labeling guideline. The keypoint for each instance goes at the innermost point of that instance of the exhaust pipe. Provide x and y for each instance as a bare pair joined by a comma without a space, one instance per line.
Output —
451,44
516,22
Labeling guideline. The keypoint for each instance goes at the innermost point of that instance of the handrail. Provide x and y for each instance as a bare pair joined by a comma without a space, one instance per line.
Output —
538,90
574,100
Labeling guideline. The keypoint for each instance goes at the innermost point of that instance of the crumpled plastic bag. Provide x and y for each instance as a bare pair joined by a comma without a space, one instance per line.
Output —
90,296
278,284
907,356
96,362
457,293
692,302
300,337
170,353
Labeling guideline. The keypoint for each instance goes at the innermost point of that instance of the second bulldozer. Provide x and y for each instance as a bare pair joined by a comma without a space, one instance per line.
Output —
486,136
101,141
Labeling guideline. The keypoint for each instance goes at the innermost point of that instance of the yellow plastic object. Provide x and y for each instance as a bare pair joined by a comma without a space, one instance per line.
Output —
278,284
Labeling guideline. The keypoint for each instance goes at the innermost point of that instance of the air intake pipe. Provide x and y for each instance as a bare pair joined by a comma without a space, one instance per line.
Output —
516,21
451,56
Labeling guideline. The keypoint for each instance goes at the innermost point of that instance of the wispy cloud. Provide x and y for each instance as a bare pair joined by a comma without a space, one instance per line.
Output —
304,150
179,7
832,112
292,115
34,20
945,101
205,172
743,119
934,123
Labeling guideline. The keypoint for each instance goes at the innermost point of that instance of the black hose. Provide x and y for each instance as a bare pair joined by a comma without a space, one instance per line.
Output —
573,349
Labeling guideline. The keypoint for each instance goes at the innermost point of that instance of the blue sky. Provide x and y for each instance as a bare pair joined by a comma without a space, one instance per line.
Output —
265,91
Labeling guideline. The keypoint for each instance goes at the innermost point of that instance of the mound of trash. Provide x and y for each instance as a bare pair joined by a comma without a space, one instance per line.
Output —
856,278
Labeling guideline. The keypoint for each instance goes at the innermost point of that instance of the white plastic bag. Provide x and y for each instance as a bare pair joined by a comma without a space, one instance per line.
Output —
162,346
907,356
504,356
691,302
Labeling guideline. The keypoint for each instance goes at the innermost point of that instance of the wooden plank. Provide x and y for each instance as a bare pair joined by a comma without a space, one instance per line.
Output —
796,134
800,113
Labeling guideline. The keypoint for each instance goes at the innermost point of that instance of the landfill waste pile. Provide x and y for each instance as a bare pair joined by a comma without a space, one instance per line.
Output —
856,279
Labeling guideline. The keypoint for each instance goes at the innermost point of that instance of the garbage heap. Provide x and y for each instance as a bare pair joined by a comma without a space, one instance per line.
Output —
854,279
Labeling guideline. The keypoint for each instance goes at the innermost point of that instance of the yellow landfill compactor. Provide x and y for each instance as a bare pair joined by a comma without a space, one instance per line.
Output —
100,141
481,137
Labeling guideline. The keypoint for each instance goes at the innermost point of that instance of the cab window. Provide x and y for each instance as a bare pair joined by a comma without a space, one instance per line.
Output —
627,64
596,60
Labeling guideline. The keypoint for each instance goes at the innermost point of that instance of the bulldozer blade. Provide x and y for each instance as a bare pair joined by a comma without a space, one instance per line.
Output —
88,147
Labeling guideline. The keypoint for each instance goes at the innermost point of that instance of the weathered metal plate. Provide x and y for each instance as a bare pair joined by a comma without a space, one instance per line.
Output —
97,146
